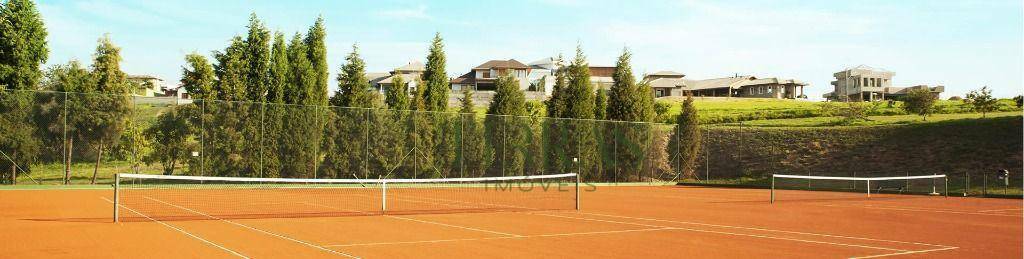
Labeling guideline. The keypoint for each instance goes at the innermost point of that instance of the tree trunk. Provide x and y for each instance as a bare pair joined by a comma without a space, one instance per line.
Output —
99,156
67,161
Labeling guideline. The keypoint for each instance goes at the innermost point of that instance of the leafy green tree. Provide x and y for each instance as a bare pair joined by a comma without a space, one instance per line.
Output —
435,77
474,156
303,76
397,96
1019,100
316,53
685,141
22,45
54,119
505,128
170,138
661,111
110,105
197,77
17,141
981,100
257,60
920,102
23,50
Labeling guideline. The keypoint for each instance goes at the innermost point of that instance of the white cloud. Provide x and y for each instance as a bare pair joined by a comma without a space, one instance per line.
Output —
418,12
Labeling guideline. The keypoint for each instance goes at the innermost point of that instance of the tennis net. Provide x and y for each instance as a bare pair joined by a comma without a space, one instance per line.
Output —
916,184
163,197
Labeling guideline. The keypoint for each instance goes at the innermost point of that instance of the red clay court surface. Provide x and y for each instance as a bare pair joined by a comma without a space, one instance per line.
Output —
635,222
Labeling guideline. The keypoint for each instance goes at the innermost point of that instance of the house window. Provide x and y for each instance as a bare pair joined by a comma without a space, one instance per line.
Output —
487,74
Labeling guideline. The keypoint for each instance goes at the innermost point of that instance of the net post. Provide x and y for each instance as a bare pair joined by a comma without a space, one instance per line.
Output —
383,197
772,190
869,188
117,200
577,192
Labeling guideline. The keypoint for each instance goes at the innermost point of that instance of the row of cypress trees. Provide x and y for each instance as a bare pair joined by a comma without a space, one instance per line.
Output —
261,110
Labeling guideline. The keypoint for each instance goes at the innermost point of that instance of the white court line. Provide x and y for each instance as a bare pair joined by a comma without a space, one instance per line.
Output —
455,226
178,229
921,210
422,221
766,230
742,234
494,238
907,252
254,229
1000,210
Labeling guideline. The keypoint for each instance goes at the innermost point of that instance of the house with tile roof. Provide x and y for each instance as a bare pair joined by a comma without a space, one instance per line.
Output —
381,81
484,76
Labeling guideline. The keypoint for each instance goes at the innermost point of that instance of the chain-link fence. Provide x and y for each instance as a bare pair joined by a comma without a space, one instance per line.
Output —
72,138
58,138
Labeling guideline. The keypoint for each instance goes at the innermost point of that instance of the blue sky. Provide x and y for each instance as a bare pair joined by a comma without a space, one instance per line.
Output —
960,44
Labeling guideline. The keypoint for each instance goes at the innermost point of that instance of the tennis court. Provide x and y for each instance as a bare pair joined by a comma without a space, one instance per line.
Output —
612,221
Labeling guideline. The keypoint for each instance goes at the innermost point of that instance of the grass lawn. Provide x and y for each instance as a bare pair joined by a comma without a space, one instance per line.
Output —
872,120
81,173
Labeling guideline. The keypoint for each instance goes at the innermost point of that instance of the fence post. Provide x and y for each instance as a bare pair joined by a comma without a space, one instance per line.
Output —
117,200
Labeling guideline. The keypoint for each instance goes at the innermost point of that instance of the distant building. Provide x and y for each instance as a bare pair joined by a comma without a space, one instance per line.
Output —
864,83
410,73
484,76
146,85
670,83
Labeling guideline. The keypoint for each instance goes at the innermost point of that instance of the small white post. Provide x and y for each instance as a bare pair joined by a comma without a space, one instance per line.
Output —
773,190
117,200
383,197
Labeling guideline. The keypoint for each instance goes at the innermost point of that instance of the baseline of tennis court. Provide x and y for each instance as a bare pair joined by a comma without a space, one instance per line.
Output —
635,221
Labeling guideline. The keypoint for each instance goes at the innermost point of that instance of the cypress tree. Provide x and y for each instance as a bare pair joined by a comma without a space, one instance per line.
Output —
622,105
435,77
257,60
353,87
579,92
397,96
506,132
600,104
316,53
303,78
344,151
556,103
22,51
276,113
279,72
230,71
685,140
299,153
473,155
